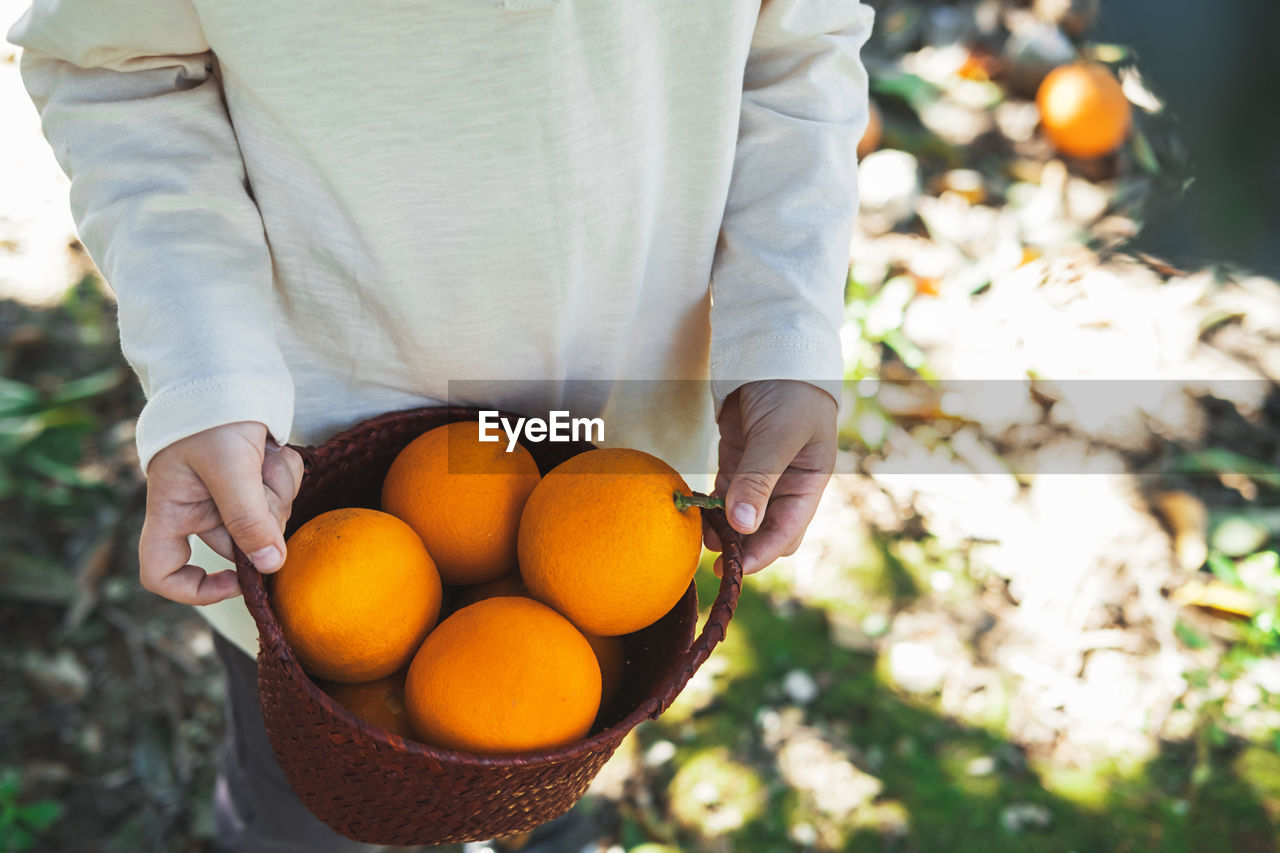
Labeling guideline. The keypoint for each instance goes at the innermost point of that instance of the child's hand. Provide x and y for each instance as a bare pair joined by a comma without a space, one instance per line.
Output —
225,484
777,451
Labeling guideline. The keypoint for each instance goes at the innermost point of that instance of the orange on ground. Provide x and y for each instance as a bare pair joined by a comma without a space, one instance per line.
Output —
379,702
504,675
611,659
602,541
870,140
1083,109
356,595
463,497
508,584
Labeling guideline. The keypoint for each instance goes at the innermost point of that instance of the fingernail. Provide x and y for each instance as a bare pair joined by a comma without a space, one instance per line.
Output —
272,447
266,559
745,516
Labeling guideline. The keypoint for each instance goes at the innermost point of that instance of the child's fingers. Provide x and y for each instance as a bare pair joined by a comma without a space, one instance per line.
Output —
198,587
219,541
781,533
768,453
282,480
236,486
282,477
711,539
163,569
293,461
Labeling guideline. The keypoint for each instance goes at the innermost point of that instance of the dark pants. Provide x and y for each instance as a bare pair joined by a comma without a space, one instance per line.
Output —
255,810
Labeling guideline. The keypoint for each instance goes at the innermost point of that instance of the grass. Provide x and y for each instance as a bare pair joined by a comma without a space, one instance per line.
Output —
943,784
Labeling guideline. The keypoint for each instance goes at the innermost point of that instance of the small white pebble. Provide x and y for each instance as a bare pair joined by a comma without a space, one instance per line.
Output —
805,834
983,765
201,644
705,793
875,624
1019,816
768,720
916,667
800,687
659,754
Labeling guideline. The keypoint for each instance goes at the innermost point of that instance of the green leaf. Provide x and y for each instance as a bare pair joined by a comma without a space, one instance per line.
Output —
1262,564
54,469
1190,637
63,444
66,417
1216,319
1265,622
915,91
1219,460
39,816
1143,154
16,431
912,356
87,387
15,838
888,306
10,784
1224,569
17,398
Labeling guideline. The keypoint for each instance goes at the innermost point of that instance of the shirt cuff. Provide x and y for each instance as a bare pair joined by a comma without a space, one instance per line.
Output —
184,410
810,360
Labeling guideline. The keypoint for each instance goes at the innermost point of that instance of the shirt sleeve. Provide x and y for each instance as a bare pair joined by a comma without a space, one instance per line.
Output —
129,99
782,260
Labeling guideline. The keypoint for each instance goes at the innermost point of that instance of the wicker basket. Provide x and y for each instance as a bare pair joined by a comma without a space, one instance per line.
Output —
378,788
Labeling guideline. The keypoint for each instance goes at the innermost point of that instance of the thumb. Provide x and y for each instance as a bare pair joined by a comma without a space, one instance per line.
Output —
766,454
238,491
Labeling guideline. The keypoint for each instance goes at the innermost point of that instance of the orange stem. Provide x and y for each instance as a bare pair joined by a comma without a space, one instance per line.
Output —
683,501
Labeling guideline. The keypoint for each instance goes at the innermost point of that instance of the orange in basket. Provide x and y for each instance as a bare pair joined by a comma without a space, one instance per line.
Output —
379,702
380,788
506,674
608,650
463,496
508,584
605,541
356,595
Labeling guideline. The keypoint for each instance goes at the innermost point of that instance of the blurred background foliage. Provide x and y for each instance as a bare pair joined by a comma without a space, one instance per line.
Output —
1028,617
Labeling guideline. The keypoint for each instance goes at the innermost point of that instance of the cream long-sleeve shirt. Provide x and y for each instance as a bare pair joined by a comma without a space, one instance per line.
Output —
315,212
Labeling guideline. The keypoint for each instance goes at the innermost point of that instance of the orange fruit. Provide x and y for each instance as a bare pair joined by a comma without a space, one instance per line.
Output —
875,129
1083,109
603,542
463,496
378,702
356,595
504,675
611,659
508,584
608,649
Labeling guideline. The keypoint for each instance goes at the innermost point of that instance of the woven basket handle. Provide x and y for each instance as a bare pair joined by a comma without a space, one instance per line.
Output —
713,630
308,454
252,586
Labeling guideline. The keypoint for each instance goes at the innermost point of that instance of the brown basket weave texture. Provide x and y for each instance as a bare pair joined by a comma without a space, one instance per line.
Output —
381,789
